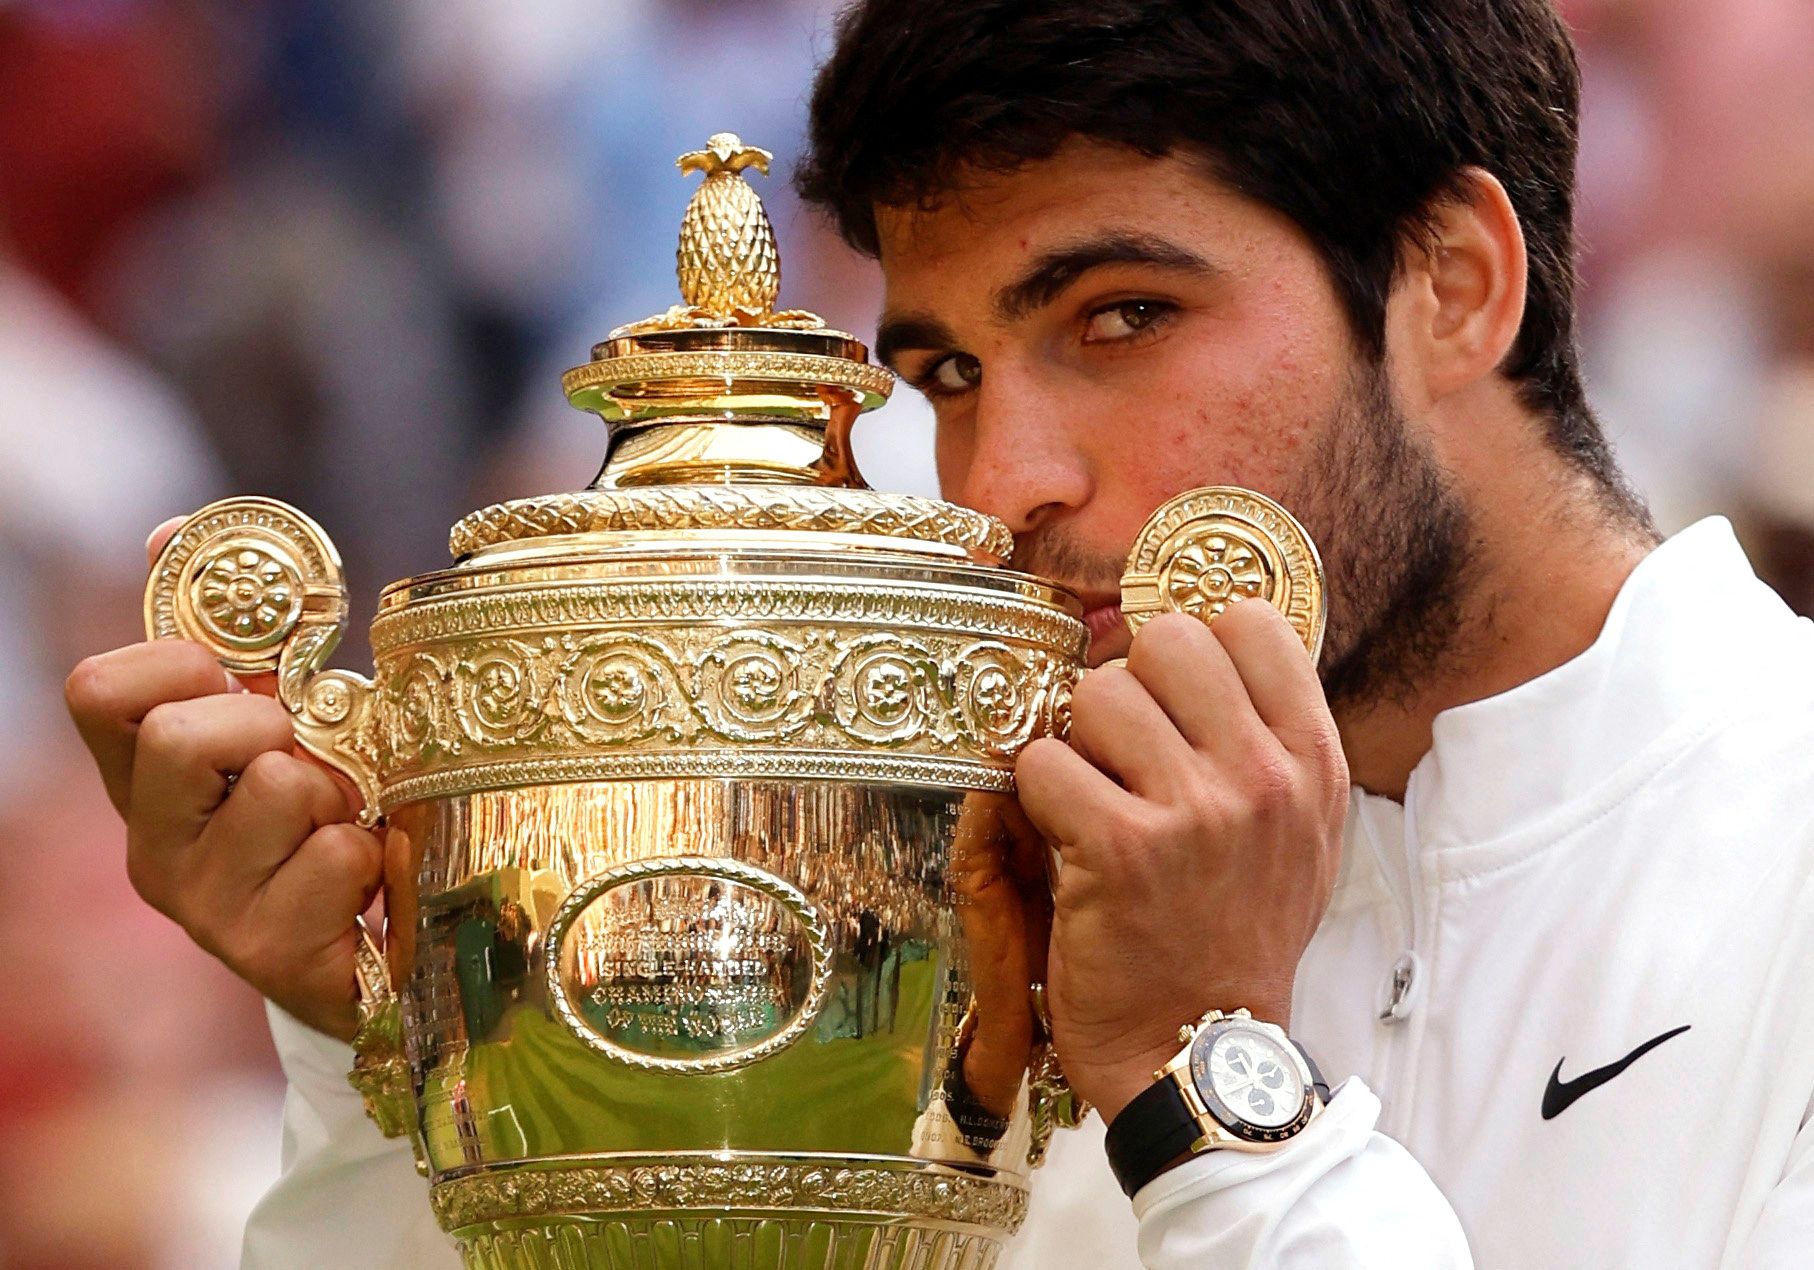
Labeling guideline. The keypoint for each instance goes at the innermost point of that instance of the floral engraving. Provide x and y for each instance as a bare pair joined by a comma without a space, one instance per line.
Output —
884,688
748,687
249,595
500,692
620,688
1218,570
410,709
995,695
1055,709
796,698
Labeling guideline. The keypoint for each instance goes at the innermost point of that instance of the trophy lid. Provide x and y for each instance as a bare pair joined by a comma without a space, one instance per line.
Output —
725,413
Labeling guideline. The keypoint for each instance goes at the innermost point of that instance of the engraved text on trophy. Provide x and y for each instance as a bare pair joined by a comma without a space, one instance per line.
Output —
686,967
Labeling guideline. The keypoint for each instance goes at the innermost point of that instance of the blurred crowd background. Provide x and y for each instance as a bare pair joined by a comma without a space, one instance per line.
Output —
338,252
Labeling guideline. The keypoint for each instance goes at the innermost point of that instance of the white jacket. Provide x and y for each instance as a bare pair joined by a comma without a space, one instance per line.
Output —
1614,851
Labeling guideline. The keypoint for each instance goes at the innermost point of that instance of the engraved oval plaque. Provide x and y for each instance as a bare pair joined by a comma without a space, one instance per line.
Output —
687,963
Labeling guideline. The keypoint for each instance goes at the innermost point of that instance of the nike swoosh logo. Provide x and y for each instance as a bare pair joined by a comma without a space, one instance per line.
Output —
1560,1094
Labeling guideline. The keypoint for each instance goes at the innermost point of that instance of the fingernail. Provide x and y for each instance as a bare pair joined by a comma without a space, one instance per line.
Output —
233,683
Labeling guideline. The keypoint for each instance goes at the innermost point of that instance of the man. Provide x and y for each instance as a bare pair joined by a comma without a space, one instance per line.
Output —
1530,873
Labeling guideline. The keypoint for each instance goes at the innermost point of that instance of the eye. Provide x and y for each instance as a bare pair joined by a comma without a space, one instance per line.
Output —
1125,320
957,373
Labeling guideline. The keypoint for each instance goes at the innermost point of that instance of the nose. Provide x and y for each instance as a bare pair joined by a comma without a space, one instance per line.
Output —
1020,457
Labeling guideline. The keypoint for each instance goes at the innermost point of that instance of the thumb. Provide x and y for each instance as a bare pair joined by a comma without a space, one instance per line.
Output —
159,536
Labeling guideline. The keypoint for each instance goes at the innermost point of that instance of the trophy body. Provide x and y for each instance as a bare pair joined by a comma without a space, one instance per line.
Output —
682,896
714,935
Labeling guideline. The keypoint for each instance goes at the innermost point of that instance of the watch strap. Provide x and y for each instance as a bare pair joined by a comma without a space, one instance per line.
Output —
1153,1130
1317,1081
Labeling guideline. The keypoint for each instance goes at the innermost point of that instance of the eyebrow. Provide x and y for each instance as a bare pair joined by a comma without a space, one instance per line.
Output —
910,330
1047,278
1053,271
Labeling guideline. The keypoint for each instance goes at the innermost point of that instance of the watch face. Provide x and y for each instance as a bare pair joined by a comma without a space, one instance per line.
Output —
1250,1080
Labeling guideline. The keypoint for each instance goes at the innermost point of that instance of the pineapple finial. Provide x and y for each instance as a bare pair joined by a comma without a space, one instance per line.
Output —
729,263
725,152
730,267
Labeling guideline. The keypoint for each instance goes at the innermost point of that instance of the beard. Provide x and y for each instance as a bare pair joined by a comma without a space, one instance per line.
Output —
1395,540
1397,548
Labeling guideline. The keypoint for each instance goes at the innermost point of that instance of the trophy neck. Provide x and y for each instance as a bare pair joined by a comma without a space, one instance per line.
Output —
717,405
732,449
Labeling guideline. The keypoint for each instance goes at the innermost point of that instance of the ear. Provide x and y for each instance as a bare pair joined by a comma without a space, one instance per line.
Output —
1463,288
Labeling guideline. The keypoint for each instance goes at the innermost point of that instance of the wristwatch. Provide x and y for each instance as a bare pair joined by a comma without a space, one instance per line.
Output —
1237,1084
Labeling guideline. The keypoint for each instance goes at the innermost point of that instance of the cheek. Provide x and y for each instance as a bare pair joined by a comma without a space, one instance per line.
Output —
1240,410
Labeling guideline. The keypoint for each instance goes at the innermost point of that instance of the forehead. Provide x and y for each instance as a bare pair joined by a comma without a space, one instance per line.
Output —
989,221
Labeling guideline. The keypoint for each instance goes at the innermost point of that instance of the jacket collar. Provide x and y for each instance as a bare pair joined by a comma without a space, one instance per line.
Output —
1690,630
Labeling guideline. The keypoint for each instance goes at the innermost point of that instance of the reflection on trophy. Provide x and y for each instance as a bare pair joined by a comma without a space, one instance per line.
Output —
713,927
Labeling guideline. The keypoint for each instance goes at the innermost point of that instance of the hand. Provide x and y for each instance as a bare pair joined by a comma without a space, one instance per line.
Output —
265,870
1198,809
998,874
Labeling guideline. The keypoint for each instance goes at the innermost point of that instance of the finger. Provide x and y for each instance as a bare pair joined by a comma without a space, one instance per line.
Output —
1120,729
1281,679
1027,849
1183,666
161,535
280,801
1067,799
186,751
330,876
110,694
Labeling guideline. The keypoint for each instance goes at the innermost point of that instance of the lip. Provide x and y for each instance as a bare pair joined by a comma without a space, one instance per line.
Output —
1103,620
1105,625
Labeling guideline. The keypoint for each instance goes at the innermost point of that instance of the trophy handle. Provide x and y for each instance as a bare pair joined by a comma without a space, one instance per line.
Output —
260,585
1052,1101
380,1068
1212,547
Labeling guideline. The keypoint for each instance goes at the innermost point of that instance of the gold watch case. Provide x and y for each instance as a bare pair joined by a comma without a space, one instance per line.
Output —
1224,1128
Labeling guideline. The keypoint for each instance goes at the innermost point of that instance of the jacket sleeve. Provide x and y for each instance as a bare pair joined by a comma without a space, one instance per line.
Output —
1341,1195
346,1196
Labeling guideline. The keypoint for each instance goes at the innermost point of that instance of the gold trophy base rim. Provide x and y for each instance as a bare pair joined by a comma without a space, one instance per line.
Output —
639,1192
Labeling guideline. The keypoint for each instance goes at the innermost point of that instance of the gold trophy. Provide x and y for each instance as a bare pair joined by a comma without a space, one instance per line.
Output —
705,875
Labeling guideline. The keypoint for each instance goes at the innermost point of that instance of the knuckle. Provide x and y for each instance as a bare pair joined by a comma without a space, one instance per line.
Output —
1276,776
167,730
1123,828
1096,690
1037,759
1257,617
1271,784
1203,805
88,691
1165,638
272,723
1330,759
189,667
277,779
349,851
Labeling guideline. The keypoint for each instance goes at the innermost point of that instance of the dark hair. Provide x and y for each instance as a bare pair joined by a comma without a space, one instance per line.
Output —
1354,118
